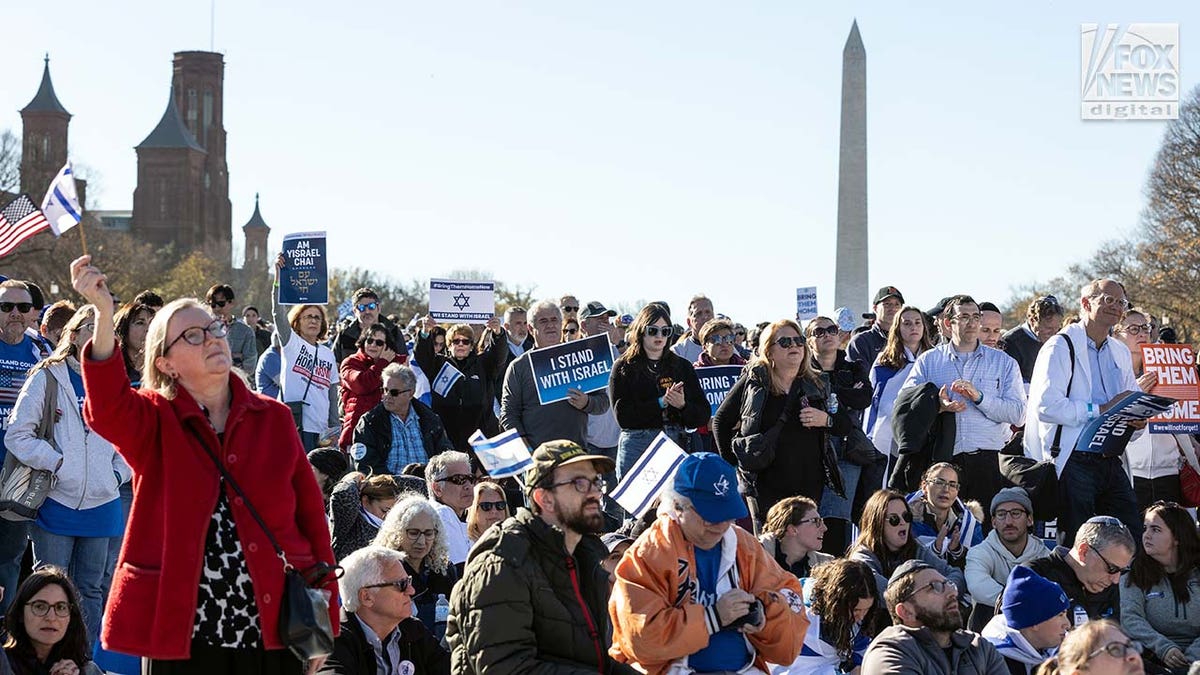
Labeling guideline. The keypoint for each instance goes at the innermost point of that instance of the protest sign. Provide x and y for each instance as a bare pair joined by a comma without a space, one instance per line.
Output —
457,300
1175,366
641,485
304,280
583,364
716,381
504,455
806,303
1110,432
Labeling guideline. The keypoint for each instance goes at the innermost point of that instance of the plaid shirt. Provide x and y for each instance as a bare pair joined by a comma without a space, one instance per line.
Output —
407,445
995,374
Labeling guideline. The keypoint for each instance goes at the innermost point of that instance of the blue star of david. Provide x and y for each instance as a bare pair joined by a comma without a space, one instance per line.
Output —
461,301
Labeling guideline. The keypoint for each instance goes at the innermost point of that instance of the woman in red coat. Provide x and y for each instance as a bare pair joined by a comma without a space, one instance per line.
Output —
198,586
361,377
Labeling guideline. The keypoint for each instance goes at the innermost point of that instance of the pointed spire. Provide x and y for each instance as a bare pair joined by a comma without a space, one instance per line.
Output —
171,131
45,99
854,42
256,221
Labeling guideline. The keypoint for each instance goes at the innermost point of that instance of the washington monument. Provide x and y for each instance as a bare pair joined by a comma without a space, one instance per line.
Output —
850,287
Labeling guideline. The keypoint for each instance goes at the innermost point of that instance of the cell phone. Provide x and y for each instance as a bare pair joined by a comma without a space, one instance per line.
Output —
752,617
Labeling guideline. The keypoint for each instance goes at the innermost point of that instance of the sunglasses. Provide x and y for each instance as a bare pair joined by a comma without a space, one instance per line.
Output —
567,308
218,303
720,339
195,335
401,585
659,331
368,306
487,507
789,342
21,307
894,519
1109,567
376,342
459,479
570,331
819,332
460,341
394,393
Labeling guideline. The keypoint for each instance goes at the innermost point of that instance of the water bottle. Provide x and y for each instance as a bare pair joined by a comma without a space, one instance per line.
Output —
441,612
833,403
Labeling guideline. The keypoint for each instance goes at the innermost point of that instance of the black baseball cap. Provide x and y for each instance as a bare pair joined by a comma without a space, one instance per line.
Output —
595,308
553,454
887,292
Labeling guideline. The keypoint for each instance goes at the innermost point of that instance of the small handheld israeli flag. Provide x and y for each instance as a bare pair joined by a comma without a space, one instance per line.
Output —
445,379
61,205
649,475
503,456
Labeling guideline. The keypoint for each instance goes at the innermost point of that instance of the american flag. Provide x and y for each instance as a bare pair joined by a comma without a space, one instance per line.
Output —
20,220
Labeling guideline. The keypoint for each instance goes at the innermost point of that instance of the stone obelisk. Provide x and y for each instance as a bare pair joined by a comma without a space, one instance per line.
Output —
850,287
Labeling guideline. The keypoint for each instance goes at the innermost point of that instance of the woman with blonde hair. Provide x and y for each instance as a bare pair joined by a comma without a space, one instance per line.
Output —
774,424
465,405
488,508
309,373
83,509
1098,647
413,526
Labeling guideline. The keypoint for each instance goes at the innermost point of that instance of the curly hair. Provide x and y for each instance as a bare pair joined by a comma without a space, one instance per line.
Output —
392,533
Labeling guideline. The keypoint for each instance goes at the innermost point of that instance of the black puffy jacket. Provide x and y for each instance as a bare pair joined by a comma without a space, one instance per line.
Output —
374,430
352,654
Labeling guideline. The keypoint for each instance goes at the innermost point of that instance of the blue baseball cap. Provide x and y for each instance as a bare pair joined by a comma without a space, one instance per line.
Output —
711,484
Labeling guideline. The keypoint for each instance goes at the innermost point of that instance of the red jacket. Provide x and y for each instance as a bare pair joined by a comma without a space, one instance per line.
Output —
362,389
152,603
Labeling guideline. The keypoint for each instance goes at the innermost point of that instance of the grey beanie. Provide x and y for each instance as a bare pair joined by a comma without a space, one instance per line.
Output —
1011,494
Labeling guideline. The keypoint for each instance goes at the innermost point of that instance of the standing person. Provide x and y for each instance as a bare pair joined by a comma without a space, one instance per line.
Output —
309,368
982,386
1090,569
361,378
773,424
465,405
700,312
18,353
991,326
1160,597
886,541
412,526
53,320
906,340
533,595
209,585
83,510
603,431
1097,371
719,350
518,341
520,408
262,336
865,346
1098,647
1043,319
132,322
653,390
45,629
1032,622
366,311
570,330
844,609
793,536
1008,544
569,305
243,344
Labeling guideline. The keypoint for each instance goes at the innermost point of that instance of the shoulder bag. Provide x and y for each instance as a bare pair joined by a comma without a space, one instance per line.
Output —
23,489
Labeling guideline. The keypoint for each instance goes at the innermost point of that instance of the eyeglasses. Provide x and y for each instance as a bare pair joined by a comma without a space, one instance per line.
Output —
740,333
460,479
1109,567
399,584
487,507
310,317
570,331
1118,650
460,341
788,342
894,519
21,307
1104,299
815,520
370,305
943,483
376,342
820,332
967,318
583,485
394,393
720,339
568,308
218,303
196,335
656,331
42,608
939,587
416,534
1015,514
1135,328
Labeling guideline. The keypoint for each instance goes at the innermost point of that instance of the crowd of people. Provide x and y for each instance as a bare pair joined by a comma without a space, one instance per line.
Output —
903,493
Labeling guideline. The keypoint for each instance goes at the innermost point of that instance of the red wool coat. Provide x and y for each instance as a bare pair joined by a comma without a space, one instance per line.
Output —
152,603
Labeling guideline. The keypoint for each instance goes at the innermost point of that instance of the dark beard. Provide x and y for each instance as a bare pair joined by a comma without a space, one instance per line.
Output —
581,523
942,622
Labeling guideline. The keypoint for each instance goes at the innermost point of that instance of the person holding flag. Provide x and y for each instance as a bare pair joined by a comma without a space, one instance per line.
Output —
462,379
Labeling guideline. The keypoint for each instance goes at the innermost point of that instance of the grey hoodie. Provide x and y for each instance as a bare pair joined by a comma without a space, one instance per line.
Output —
989,564
1160,622
1012,645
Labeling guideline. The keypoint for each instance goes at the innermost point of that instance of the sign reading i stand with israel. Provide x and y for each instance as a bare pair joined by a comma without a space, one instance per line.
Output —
504,455
806,303
716,381
641,485
457,300
1175,366
304,280
582,364
1110,432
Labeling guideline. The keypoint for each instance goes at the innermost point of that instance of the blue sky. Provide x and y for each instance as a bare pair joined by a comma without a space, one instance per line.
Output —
624,150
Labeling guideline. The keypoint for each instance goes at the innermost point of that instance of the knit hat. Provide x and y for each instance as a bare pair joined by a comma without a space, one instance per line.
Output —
1030,599
1011,494
329,461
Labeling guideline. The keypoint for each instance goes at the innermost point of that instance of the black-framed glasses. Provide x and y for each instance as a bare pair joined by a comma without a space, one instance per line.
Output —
820,332
21,307
1005,514
1109,567
460,479
42,608
367,306
815,520
659,331
394,393
488,507
218,303
568,308
787,342
375,341
943,483
460,341
721,339
401,585
415,534
1118,650
894,519
197,334
967,318
570,331
940,586
1135,328
584,485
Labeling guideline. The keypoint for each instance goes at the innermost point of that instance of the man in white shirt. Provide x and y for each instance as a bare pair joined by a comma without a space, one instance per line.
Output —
451,487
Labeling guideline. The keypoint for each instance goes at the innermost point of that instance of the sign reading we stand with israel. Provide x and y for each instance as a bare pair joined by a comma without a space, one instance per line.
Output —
304,279
465,301
582,364
1177,379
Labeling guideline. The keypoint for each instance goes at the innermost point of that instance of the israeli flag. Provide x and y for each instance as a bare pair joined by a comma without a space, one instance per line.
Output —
649,475
445,379
503,456
61,205
967,530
